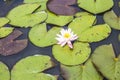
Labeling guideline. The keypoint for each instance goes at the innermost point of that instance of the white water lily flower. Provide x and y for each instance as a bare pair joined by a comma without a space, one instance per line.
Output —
66,36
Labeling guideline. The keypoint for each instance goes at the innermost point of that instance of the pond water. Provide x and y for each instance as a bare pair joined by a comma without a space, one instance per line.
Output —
6,6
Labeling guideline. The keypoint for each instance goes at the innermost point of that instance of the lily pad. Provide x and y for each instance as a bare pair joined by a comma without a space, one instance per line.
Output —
112,19
58,20
119,4
95,33
41,2
62,7
31,68
106,62
39,35
82,25
5,31
3,21
4,72
25,16
119,37
85,71
95,6
82,22
75,56
9,45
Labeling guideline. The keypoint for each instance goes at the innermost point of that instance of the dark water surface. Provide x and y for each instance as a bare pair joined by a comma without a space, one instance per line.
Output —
5,7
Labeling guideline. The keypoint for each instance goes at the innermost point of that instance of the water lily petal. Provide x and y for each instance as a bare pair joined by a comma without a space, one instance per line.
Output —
62,43
70,44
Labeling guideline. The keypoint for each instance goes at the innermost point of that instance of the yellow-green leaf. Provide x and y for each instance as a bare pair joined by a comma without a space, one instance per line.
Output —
106,62
40,37
25,16
75,56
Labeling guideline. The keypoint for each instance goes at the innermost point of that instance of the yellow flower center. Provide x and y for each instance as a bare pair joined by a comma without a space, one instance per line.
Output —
83,66
116,59
66,35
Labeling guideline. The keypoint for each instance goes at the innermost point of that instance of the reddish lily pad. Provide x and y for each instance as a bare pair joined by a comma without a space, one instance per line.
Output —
9,45
85,71
4,72
32,67
62,7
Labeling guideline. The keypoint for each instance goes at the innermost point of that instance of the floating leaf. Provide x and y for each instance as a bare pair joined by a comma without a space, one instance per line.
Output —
5,31
34,1
3,21
9,45
119,37
82,22
41,2
119,4
106,62
95,6
95,33
67,56
112,19
31,68
81,72
58,20
62,7
82,26
40,37
4,72
24,15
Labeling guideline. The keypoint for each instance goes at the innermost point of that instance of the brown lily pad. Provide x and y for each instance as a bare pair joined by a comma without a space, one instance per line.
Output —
9,45
62,7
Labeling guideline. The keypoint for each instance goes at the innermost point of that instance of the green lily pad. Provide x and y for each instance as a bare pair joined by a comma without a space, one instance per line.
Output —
25,16
3,21
119,4
82,14
5,31
95,33
31,68
75,56
83,21
112,19
58,20
106,62
82,25
95,6
39,35
119,37
81,72
41,2
4,72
